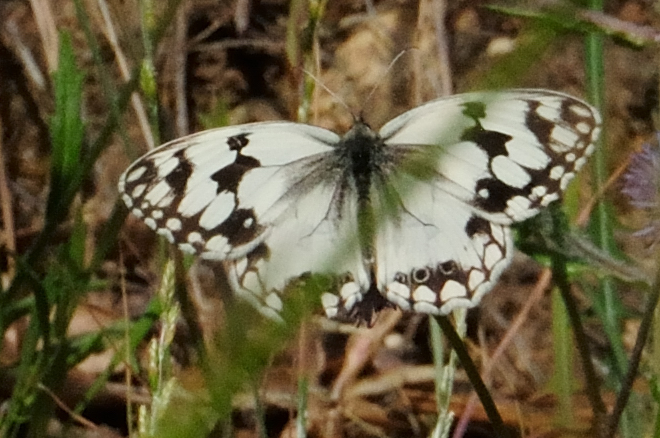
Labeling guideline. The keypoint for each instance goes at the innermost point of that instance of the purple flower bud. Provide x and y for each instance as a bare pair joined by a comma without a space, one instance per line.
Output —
641,180
641,183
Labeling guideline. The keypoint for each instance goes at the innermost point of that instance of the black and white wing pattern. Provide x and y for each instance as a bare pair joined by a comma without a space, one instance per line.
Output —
417,215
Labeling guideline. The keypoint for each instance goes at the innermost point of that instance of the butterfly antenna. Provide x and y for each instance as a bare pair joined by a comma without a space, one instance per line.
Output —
328,90
387,70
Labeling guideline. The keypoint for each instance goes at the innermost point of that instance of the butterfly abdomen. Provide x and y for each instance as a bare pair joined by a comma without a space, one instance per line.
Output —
361,155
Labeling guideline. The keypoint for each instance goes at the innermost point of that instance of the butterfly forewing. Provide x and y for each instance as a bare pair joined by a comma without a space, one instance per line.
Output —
437,190
215,193
506,154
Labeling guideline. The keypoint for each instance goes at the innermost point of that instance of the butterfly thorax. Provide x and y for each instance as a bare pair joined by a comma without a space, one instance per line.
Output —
361,152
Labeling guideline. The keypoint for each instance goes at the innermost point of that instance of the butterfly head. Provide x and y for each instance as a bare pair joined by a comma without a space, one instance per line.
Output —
360,129
361,147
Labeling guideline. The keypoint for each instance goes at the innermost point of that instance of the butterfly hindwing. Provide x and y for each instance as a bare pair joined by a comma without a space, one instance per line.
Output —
312,233
434,254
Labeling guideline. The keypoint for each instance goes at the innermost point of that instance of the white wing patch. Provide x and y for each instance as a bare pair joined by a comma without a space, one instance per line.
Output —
439,186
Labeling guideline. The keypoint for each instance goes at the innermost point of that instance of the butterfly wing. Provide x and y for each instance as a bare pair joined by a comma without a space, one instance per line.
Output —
312,232
433,253
467,167
212,192
220,193
506,154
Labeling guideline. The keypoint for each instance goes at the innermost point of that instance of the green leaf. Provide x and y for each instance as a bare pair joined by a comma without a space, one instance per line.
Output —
66,125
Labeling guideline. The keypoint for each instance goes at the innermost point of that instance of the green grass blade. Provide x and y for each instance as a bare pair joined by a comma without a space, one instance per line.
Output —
66,128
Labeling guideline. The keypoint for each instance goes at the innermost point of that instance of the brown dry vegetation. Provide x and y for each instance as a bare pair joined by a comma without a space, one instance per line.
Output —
234,60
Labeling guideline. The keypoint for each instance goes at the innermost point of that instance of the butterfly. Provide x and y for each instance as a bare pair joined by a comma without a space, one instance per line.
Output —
416,215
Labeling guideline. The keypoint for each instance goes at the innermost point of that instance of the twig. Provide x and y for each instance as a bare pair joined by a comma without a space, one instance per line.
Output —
541,286
444,61
360,349
77,418
242,15
179,59
122,63
585,212
9,234
24,54
592,384
471,370
43,16
431,18
633,363
267,45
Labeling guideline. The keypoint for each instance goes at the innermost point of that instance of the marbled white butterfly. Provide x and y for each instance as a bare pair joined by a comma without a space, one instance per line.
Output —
416,215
